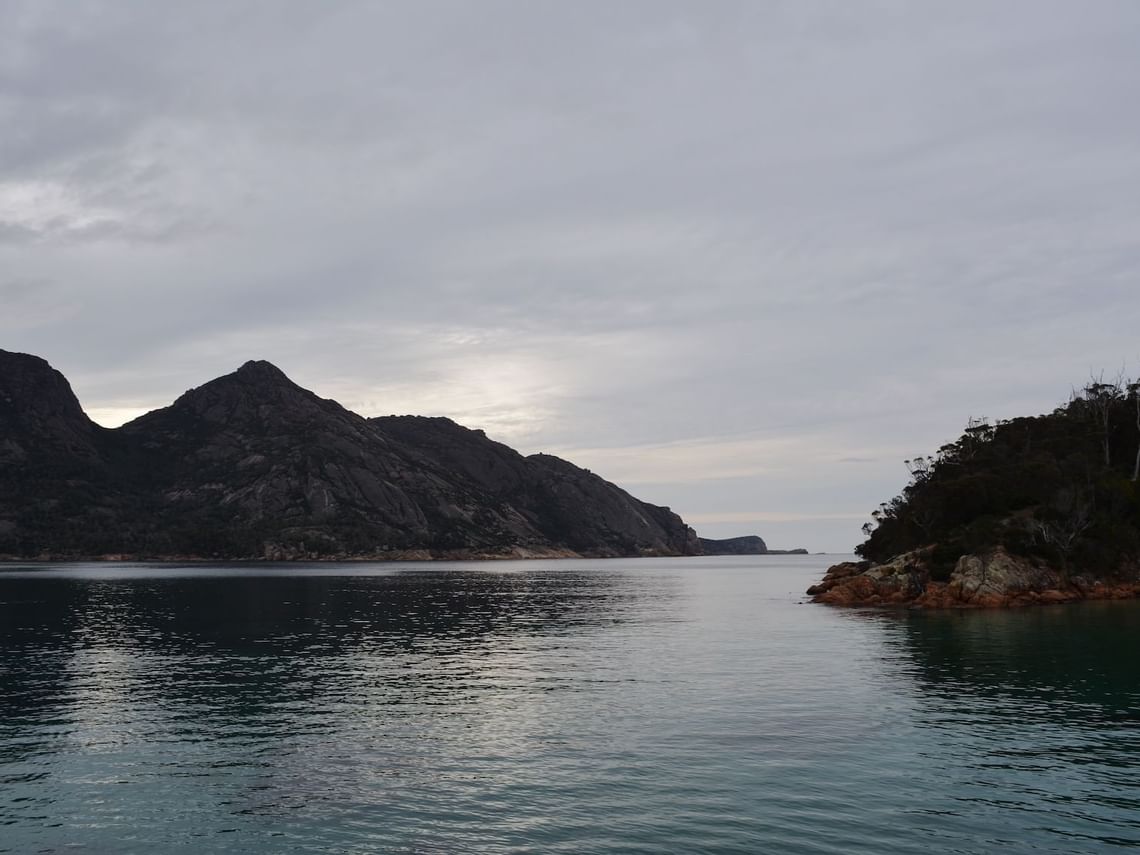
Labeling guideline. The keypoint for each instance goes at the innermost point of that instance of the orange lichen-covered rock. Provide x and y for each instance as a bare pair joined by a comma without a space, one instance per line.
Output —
853,591
992,579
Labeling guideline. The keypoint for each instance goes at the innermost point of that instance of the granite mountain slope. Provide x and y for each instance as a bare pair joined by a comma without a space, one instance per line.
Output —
251,465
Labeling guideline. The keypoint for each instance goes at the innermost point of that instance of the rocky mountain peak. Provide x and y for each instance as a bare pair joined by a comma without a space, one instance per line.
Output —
39,409
32,382
261,371
257,391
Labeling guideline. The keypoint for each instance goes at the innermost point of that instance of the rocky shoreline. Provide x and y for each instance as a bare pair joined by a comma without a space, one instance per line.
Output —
992,579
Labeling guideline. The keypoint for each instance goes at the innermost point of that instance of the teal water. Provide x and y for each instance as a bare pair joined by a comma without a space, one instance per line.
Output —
672,705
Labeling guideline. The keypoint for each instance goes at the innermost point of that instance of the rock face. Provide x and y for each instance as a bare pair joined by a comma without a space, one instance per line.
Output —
986,580
40,417
252,465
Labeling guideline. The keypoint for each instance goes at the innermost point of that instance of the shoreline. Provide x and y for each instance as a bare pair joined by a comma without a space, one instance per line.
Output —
991,579
402,555
394,556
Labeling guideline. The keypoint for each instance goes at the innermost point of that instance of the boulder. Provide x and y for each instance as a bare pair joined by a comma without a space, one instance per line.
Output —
996,575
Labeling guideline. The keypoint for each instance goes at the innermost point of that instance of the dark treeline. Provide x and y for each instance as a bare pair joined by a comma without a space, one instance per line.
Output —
1062,487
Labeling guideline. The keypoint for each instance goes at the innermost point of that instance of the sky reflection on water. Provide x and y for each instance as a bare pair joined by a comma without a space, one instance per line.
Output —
671,705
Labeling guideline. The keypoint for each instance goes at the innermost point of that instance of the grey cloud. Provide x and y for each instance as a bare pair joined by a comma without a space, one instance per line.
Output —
587,225
15,233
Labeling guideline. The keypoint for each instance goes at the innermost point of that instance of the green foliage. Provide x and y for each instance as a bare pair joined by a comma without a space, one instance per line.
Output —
1062,486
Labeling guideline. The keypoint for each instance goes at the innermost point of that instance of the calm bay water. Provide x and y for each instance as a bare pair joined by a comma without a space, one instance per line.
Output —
672,705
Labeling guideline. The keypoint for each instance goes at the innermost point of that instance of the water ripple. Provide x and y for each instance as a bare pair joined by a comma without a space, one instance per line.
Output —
643,706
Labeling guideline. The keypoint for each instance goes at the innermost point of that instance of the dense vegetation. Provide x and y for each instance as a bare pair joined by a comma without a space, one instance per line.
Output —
1062,487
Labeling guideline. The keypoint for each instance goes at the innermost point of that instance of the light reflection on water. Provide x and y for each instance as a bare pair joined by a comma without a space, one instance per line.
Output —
681,705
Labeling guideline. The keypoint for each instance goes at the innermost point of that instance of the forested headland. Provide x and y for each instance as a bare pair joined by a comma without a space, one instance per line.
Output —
1054,498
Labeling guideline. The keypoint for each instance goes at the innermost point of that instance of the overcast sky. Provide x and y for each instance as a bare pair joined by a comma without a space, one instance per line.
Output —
741,258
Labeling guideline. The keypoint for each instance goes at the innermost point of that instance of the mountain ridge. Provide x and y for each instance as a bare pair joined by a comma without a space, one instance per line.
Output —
252,465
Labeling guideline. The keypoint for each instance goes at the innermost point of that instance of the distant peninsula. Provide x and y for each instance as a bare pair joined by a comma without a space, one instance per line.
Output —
749,544
1034,510
252,466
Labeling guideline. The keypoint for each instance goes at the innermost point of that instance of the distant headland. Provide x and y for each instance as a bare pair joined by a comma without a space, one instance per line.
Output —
749,544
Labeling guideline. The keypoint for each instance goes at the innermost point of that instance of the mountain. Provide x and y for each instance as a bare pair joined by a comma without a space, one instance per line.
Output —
1035,509
251,465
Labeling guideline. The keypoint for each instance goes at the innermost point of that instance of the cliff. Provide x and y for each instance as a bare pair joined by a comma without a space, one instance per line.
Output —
251,465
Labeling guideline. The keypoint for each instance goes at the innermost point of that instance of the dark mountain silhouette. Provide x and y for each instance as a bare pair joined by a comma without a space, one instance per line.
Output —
251,465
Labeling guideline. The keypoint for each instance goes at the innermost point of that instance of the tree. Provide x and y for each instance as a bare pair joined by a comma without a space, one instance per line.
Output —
1100,399
979,432
920,468
1072,516
1134,394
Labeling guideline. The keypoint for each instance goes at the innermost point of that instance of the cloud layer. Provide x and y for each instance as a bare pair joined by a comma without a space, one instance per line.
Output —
742,258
